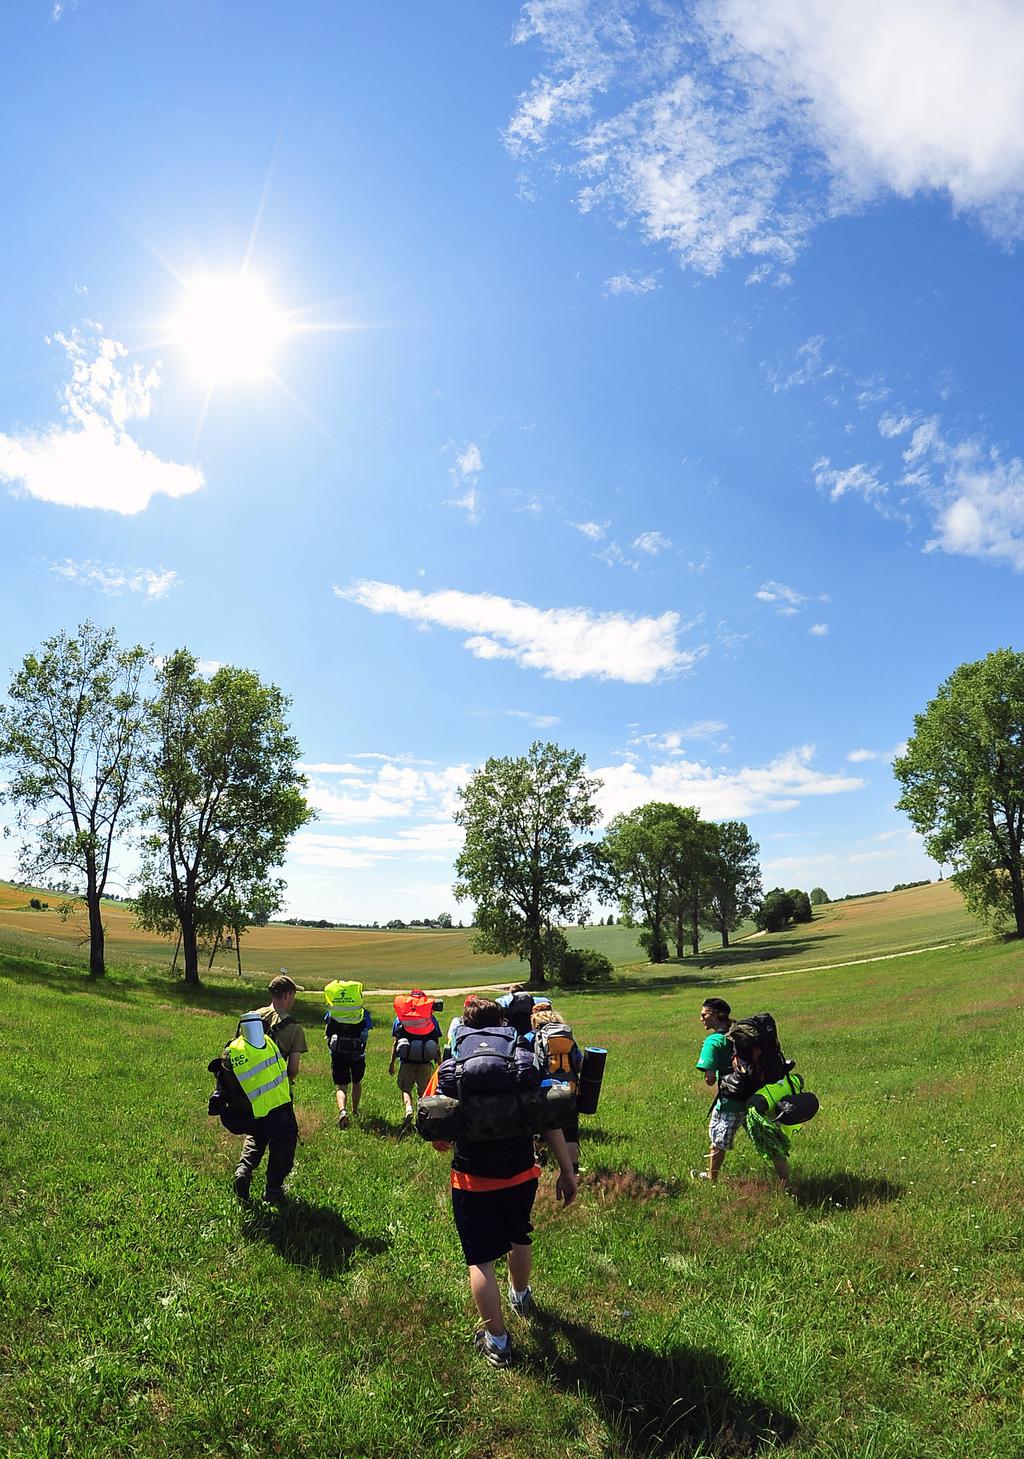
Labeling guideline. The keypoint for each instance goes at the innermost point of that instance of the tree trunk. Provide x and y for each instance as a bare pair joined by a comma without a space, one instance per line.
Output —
238,949
725,935
213,951
177,949
1017,893
696,925
680,937
191,953
97,967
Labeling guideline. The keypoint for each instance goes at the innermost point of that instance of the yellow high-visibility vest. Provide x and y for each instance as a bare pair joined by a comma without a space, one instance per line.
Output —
262,1073
344,1001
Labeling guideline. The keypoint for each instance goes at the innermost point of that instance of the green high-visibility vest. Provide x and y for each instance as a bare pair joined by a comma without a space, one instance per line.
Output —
262,1073
344,1001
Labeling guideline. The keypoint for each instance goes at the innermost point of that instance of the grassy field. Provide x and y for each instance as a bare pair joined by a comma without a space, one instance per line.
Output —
876,1314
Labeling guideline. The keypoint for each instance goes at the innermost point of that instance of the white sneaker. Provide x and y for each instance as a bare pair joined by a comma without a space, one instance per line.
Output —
699,1175
521,1303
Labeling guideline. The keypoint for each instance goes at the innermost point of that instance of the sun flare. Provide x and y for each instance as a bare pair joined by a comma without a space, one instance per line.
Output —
228,329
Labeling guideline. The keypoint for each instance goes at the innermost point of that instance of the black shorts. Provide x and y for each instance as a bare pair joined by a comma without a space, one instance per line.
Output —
345,1070
490,1222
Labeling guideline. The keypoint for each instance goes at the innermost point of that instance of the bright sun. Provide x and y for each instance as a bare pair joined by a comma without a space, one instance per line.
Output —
229,329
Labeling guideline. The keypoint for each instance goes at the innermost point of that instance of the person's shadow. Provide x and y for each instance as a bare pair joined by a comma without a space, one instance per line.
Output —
385,1129
310,1236
845,1190
680,1402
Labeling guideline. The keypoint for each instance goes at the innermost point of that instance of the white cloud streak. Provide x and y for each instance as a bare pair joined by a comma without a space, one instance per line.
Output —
653,543
91,459
630,284
563,643
464,476
730,129
113,581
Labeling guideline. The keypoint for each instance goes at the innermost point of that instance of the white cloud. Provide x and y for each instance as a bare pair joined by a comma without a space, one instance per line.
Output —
652,543
394,791
818,630
91,459
537,721
810,367
861,757
593,530
730,129
786,601
105,578
631,284
331,767
463,476
672,742
860,479
721,795
563,643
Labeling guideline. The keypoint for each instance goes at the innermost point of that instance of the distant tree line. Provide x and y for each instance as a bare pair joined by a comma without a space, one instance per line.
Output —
103,742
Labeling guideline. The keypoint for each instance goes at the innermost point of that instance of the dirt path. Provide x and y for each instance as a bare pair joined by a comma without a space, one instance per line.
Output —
883,957
437,992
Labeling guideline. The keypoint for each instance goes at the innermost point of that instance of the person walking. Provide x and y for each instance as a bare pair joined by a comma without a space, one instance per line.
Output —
715,1061
494,1185
262,1072
282,1026
416,1045
347,1027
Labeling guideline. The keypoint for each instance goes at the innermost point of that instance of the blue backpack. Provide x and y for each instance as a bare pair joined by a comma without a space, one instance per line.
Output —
487,1061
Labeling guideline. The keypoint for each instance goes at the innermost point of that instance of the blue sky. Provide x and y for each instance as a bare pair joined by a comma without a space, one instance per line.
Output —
640,376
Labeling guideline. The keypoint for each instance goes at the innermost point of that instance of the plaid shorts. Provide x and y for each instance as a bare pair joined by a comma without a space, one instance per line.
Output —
723,1125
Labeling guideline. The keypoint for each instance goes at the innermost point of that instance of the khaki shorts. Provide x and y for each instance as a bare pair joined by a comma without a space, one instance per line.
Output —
413,1076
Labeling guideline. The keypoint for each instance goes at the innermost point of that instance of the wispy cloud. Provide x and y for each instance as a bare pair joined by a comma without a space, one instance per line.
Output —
91,459
563,643
536,721
594,531
861,757
652,543
630,284
674,742
810,367
779,785
786,601
859,479
731,129
818,630
463,476
112,581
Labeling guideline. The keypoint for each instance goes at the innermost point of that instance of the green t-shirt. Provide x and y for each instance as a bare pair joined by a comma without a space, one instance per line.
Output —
716,1058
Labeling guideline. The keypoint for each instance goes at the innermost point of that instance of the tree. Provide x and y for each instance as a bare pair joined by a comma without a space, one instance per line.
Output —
640,854
224,798
74,734
775,912
963,783
733,881
801,905
819,897
444,919
525,862
689,875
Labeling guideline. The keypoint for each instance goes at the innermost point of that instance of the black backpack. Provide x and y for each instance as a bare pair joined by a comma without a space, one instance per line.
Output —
487,1061
344,1039
518,1011
228,1102
760,1031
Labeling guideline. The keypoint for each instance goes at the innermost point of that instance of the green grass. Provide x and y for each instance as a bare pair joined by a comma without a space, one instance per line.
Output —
878,1314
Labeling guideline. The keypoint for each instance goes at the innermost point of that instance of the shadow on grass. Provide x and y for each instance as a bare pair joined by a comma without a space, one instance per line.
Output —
678,1402
844,1189
706,968
385,1129
594,1135
311,1236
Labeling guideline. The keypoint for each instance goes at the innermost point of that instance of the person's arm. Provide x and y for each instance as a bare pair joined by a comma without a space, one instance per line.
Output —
394,1055
566,1185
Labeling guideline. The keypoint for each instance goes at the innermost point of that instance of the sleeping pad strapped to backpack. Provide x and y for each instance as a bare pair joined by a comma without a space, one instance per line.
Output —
769,1086
491,1090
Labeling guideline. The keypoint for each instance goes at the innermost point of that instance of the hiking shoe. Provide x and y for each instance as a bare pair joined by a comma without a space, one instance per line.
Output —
699,1175
343,1120
242,1187
278,1197
406,1124
498,1357
521,1303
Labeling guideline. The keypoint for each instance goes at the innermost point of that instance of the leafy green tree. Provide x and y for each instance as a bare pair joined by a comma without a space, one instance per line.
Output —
444,919
640,852
525,861
224,797
732,885
819,897
73,735
689,873
963,783
801,905
775,912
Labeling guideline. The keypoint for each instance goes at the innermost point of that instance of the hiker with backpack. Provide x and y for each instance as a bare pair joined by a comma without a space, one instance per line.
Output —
494,1176
775,1097
253,1098
715,1061
416,1044
559,1057
286,1031
347,1027
517,1005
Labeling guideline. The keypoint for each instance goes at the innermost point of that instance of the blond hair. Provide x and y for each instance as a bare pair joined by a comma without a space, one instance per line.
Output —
540,1016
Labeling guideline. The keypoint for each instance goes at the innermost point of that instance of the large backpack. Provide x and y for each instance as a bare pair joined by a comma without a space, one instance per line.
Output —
487,1061
344,1039
558,1054
759,1030
229,1102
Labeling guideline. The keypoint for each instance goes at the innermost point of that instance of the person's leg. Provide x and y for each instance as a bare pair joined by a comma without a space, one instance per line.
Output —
716,1159
341,1094
253,1147
781,1165
484,1286
520,1262
406,1080
283,1139
357,1089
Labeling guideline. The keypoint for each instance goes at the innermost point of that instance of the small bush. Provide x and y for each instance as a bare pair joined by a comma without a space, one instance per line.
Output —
581,965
